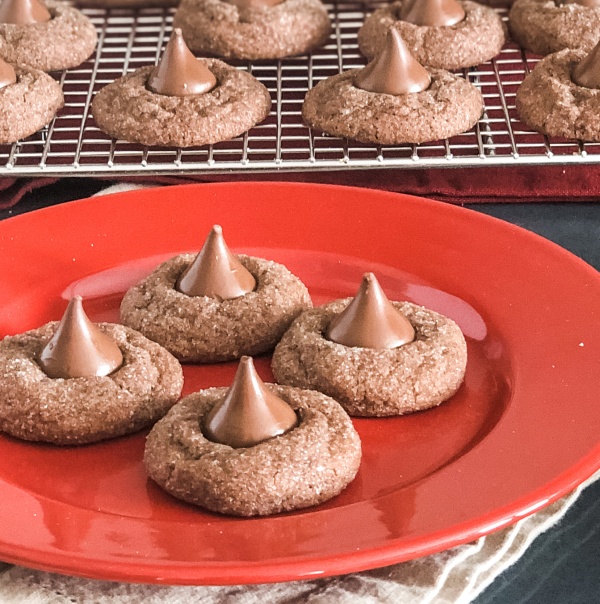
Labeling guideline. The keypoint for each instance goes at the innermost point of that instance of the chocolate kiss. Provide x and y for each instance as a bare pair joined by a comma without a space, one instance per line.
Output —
216,272
8,75
254,3
79,348
23,12
586,3
179,72
433,13
250,413
370,320
394,70
587,72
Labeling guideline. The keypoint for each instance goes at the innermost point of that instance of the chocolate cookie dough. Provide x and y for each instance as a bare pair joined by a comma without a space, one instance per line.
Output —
305,466
28,104
74,411
65,41
128,110
544,26
227,29
369,381
472,41
201,329
449,106
550,102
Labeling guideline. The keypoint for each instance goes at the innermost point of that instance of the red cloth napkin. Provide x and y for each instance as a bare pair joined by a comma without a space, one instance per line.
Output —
12,190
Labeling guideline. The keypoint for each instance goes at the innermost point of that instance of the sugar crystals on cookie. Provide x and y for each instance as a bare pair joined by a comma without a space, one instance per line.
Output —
215,306
253,449
183,102
76,382
393,100
49,37
446,34
375,357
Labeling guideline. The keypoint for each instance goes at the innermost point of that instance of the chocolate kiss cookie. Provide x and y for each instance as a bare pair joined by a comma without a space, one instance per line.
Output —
247,29
65,40
550,102
544,27
88,408
368,381
472,41
133,108
27,102
212,328
341,107
307,464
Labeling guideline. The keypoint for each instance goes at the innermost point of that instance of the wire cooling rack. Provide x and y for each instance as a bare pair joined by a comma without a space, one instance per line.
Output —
72,145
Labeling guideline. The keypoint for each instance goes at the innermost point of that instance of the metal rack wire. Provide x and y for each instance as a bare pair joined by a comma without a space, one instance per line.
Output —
72,145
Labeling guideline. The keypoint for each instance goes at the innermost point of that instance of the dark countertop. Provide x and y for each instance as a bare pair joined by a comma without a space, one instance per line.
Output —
563,565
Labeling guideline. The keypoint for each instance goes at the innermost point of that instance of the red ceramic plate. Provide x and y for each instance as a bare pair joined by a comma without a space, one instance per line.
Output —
522,431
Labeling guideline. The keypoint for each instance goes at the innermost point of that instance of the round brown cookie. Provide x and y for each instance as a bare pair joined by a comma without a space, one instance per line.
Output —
200,329
374,382
127,109
543,27
65,41
127,3
550,102
82,410
28,105
291,28
474,40
309,464
449,106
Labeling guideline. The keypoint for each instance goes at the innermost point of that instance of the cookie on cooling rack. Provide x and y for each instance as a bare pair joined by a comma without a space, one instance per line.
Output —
471,40
393,100
75,382
49,37
253,29
544,26
308,461
29,99
182,102
215,306
375,357
561,96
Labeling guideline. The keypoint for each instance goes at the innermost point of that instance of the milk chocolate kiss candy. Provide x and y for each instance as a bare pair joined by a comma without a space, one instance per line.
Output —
394,70
434,13
23,12
179,72
370,320
79,348
254,3
250,413
7,74
216,272
587,72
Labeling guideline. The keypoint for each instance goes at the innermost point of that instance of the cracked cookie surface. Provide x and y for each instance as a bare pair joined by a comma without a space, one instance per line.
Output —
303,467
220,28
374,382
65,41
449,106
128,110
82,410
205,330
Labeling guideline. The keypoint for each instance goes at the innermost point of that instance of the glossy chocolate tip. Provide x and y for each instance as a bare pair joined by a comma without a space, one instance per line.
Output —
8,74
432,13
23,12
394,71
250,413
79,348
179,72
216,272
586,73
370,320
